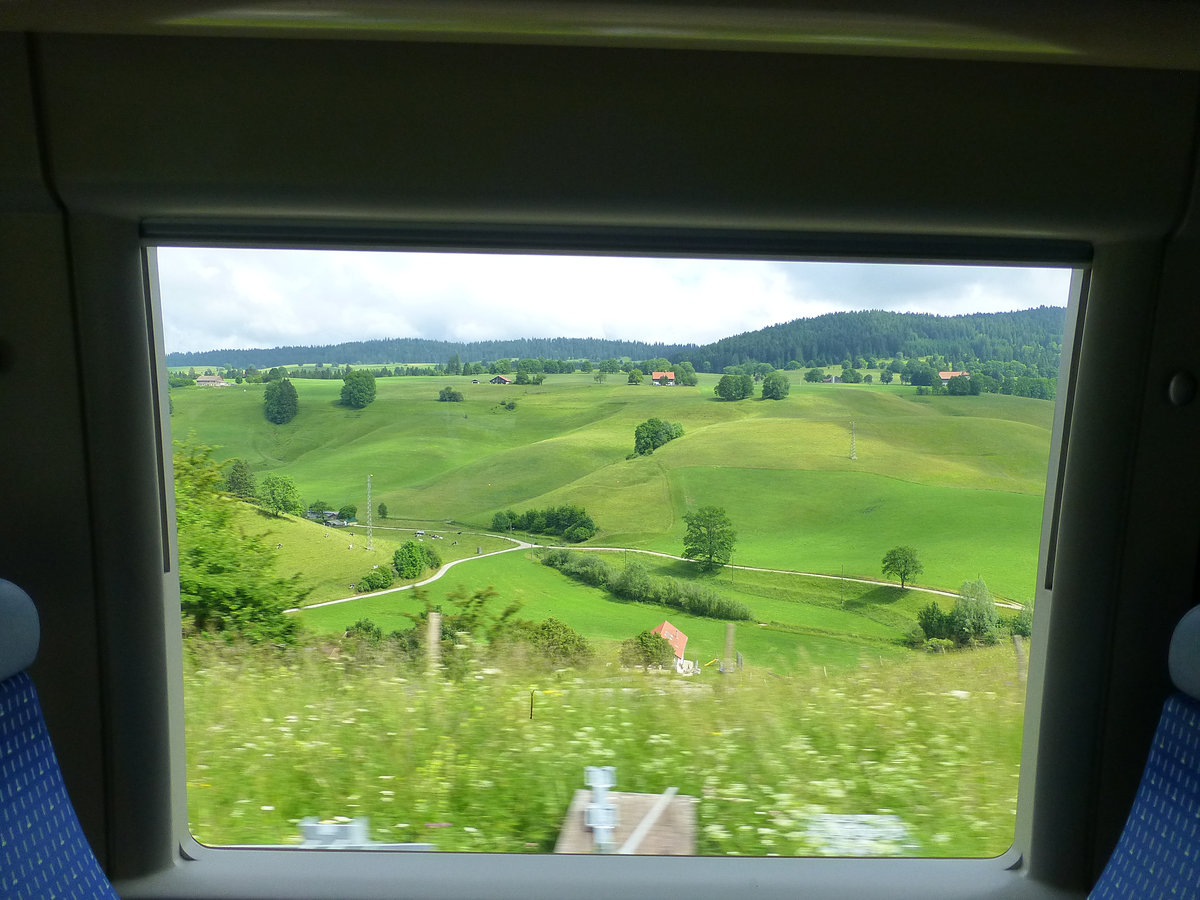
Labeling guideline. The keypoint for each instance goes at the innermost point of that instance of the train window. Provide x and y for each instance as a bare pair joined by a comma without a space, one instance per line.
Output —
458,531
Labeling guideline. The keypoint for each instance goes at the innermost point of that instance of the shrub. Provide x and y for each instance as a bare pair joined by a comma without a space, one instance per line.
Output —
348,512
939,645
973,619
449,395
410,560
366,631
1022,623
376,580
647,649
934,623
558,644
577,534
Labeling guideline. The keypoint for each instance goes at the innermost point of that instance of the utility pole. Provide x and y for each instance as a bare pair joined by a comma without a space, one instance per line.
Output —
370,521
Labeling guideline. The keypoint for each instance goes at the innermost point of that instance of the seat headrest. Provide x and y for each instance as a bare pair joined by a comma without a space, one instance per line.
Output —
19,630
1184,660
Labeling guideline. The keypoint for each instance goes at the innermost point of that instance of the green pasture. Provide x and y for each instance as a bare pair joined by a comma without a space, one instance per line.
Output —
959,478
796,632
329,560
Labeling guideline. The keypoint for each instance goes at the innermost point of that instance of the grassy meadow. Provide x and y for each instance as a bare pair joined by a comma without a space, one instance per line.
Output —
958,478
832,715
931,739
793,633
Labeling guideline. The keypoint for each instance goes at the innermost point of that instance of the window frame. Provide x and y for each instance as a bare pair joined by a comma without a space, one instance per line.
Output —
201,870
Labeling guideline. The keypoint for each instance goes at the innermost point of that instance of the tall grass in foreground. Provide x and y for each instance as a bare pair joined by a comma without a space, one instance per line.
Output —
274,736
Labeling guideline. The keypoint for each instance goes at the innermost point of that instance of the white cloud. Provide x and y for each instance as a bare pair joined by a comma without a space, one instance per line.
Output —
220,298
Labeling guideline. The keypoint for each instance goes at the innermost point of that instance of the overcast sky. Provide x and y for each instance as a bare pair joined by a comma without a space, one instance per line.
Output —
234,299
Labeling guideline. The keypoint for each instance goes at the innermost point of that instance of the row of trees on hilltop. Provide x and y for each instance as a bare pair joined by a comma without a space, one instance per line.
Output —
1031,337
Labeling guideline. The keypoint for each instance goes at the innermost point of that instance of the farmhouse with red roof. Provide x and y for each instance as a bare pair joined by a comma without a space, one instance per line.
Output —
662,377
673,636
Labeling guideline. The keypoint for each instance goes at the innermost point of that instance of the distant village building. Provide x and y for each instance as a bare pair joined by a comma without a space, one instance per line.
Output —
946,376
832,379
500,379
662,377
212,381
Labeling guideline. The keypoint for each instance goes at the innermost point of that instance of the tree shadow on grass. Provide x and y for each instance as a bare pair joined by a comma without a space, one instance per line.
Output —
677,568
880,596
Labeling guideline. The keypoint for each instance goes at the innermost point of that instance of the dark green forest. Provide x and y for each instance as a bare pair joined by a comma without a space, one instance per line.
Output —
1031,337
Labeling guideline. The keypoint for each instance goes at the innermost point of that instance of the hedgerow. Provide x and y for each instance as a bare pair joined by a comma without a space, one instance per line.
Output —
635,584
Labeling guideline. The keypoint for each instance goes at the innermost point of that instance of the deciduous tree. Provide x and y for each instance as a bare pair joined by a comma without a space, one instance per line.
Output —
775,386
226,577
735,387
902,562
278,495
280,402
709,537
652,434
359,388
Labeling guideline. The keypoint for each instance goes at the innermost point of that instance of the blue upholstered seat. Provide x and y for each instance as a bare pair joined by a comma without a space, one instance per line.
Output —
43,852
1158,854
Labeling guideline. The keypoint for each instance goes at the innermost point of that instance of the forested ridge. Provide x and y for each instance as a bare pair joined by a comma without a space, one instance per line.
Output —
420,350
1032,337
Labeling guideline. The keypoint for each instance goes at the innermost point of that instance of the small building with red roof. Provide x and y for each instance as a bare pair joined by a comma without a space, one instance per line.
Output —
673,636
662,377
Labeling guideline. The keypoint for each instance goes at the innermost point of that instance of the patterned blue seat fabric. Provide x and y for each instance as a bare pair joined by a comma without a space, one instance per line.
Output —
1158,854
43,852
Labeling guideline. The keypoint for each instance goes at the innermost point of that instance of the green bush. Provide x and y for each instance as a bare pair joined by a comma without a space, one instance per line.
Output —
412,559
558,644
365,631
647,649
376,580
1022,623
939,645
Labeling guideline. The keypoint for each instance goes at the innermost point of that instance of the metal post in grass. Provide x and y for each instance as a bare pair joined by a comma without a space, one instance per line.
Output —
433,641
853,454
727,662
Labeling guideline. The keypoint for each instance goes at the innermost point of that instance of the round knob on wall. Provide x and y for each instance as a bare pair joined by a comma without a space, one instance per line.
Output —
1182,388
